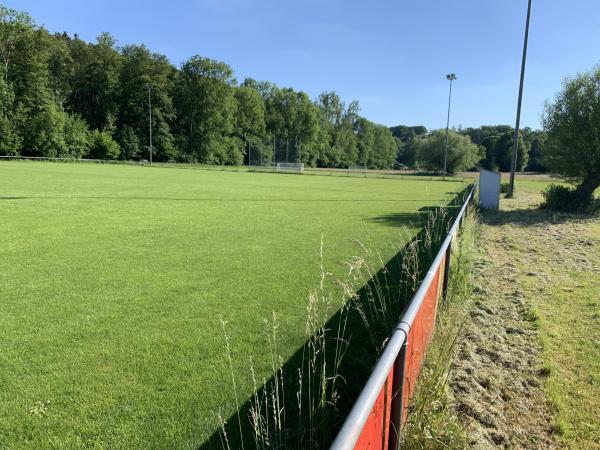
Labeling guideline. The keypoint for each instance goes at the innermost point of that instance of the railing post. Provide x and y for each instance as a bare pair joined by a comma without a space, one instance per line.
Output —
447,259
395,425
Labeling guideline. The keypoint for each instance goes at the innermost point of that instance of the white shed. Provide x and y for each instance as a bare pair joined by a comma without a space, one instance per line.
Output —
489,189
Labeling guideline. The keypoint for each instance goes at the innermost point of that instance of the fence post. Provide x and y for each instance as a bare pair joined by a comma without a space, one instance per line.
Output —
395,424
447,259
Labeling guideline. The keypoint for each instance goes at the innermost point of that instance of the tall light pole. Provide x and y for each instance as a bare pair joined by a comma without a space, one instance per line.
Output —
150,119
450,77
513,157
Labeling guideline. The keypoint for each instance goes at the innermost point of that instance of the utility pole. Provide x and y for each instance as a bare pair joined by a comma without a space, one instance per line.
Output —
513,157
150,119
451,77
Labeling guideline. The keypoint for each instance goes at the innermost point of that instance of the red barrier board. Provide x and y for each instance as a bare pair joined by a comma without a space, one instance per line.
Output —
419,337
375,433
383,416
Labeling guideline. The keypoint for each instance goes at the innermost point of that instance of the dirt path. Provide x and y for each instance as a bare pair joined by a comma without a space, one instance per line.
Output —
499,377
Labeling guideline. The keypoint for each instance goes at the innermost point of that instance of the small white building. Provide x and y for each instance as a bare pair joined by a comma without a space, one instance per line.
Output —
489,189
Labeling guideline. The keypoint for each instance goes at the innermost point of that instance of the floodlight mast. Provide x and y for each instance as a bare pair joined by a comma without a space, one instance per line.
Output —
450,77
513,156
150,119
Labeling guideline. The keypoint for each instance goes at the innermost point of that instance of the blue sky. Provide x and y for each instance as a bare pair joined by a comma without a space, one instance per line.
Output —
392,56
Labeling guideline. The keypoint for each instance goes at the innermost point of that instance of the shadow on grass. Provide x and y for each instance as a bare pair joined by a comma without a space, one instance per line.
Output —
361,355
530,217
415,219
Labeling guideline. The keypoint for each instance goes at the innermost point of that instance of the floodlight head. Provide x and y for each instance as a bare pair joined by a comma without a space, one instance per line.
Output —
451,76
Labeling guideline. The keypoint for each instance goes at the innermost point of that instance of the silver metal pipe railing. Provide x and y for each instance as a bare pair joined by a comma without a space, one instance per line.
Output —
352,428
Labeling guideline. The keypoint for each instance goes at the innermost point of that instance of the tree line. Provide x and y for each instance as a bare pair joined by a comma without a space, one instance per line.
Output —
63,97
488,146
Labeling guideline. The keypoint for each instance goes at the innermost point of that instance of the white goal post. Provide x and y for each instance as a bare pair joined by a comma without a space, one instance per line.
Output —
290,167
357,169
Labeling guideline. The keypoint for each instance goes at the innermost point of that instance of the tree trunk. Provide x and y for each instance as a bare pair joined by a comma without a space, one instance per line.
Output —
590,183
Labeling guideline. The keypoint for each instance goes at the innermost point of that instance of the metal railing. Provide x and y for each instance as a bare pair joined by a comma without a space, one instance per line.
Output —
376,419
69,160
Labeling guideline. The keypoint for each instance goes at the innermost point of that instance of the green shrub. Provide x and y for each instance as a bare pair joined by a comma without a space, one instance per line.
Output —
103,146
566,198
504,187
77,137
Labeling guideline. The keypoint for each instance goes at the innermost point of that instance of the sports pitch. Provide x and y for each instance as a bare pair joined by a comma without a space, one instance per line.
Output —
113,280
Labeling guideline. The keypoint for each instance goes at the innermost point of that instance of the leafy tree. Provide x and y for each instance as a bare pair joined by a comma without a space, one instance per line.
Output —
76,135
572,124
407,152
10,141
419,130
260,152
250,118
60,67
338,123
292,120
385,146
130,144
142,69
207,111
103,146
45,133
13,24
403,132
365,131
497,141
405,143
462,153
94,80
535,162
55,88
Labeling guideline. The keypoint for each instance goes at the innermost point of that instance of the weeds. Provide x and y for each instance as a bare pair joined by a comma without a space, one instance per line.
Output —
432,421
347,325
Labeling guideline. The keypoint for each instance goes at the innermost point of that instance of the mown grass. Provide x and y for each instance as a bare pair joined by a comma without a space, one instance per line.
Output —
572,357
114,280
561,283
567,317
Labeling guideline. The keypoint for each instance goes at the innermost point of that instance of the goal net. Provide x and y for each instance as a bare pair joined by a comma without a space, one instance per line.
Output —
290,167
359,170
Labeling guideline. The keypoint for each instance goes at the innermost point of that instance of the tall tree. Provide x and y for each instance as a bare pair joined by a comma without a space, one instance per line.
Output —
13,24
250,123
572,123
95,89
10,141
338,122
462,153
142,71
207,111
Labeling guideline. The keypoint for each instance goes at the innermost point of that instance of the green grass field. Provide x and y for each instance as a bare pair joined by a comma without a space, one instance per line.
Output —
113,279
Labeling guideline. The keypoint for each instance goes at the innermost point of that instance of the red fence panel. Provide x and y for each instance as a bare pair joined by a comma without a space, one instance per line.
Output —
375,433
382,407
419,337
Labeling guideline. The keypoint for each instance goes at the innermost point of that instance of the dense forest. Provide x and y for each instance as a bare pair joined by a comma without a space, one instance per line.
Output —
63,97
